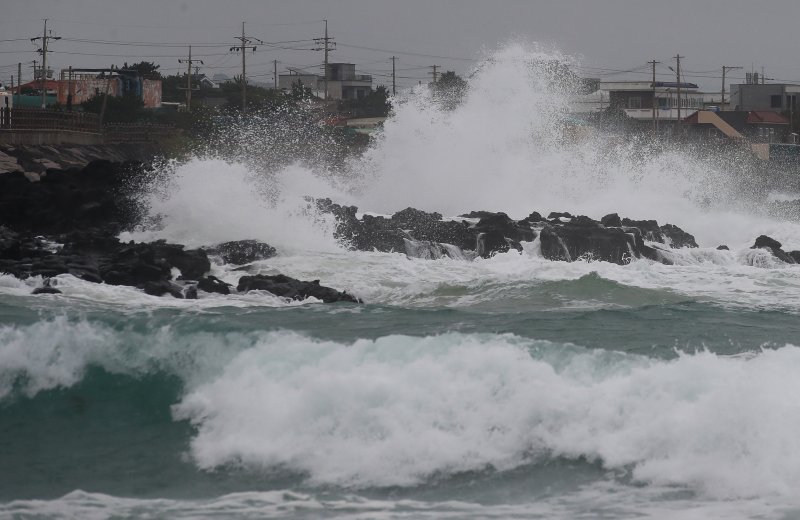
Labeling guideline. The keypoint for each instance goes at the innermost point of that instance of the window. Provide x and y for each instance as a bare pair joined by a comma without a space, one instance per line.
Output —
634,102
775,101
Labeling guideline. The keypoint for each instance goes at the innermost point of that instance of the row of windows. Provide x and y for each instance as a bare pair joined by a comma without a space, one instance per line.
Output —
668,102
777,101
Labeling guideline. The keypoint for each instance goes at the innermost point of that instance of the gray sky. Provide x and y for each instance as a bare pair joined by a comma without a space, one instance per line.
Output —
608,35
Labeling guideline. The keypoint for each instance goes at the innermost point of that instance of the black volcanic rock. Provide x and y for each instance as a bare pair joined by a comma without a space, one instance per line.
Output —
66,200
477,214
212,284
498,233
533,218
667,234
192,263
243,251
677,237
162,287
611,220
46,290
286,287
586,239
769,243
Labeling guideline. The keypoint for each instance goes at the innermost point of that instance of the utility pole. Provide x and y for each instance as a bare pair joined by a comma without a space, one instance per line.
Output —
435,77
653,63
275,72
725,68
327,45
19,82
394,78
678,74
70,91
43,51
245,45
189,63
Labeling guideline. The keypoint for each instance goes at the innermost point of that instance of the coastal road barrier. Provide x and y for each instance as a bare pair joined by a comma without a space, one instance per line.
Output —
40,127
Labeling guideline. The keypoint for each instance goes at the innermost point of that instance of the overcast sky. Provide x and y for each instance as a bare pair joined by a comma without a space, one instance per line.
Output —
608,36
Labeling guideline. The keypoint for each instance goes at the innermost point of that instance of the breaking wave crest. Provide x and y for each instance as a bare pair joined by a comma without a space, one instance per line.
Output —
400,410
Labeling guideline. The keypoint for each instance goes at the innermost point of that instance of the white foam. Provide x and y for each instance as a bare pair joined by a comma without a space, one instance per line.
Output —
604,500
397,410
206,201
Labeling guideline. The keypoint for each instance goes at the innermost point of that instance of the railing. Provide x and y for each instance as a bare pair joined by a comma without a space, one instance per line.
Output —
54,120
116,133
37,119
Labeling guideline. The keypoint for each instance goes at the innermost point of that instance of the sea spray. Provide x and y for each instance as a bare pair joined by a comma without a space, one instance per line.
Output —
510,145
399,410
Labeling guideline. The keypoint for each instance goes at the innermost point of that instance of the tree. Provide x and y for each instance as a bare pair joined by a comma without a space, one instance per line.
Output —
119,109
374,104
449,90
146,69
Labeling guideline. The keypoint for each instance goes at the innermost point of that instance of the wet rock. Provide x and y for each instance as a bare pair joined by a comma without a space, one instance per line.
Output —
533,218
477,214
769,243
498,233
611,220
46,290
190,292
676,237
723,248
286,287
429,250
212,284
162,287
667,234
243,251
554,215
192,263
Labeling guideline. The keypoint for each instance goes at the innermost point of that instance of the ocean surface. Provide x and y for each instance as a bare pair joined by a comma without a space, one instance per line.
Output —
509,387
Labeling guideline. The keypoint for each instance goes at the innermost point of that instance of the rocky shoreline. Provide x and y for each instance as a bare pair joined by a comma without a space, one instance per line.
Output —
67,222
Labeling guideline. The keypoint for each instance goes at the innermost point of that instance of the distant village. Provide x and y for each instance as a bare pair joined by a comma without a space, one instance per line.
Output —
77,105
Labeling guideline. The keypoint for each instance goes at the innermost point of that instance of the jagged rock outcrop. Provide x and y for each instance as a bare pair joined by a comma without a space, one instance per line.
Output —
242,251
769,243
562,236
212,284
67,222
67,200
287,287
666,234
498,233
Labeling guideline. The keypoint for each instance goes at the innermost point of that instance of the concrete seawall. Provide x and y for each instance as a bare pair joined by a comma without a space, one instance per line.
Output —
36,159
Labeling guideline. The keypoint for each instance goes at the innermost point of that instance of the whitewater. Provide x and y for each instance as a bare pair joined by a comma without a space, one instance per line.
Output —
504,387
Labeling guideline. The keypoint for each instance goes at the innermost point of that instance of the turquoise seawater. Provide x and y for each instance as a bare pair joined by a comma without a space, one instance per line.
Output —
509,387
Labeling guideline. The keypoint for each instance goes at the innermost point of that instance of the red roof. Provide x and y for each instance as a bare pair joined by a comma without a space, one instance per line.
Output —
766,117
37,84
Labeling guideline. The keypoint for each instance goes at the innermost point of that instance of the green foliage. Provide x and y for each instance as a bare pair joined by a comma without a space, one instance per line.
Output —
119,109
146,69
375,104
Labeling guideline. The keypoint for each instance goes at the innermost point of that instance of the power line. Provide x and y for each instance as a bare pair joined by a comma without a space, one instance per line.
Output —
388,51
